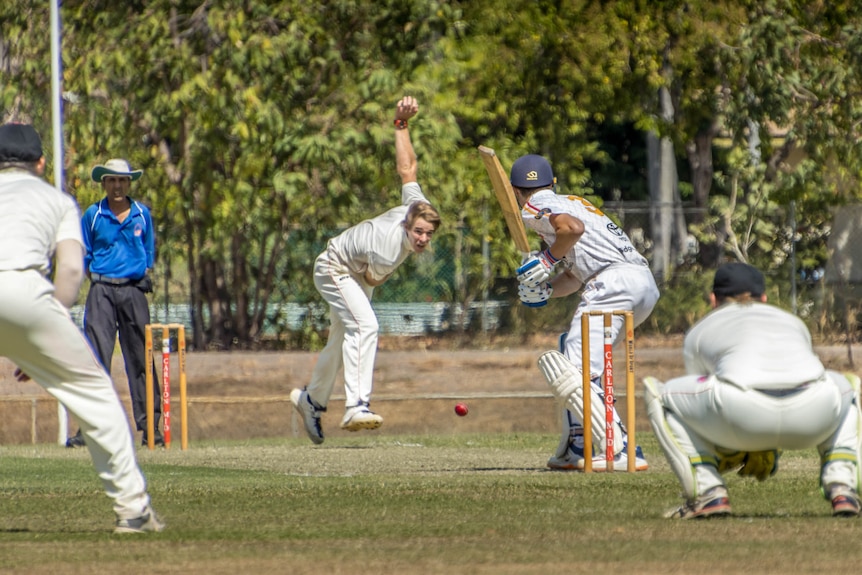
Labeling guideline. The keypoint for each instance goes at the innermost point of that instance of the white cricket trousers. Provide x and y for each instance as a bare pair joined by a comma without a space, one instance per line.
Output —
620,287
628,287
352,342
39,336
704,413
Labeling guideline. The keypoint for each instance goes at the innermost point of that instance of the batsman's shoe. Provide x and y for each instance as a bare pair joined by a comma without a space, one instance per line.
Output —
145,523
573,460
310,414
621,461
360,417
845,501
713,503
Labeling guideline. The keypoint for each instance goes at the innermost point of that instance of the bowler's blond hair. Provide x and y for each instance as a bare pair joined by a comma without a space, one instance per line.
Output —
422,210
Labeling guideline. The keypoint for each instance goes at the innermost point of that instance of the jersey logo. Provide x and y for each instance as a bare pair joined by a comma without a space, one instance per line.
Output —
615,229
542,212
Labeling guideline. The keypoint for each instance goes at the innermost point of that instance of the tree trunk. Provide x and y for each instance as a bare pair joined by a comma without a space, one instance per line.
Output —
699,152
667,222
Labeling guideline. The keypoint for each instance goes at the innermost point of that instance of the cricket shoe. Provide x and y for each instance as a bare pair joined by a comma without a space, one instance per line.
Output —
621,460
76,440
573,459
845,501
360,417
310,414
144,523
713,503
159,441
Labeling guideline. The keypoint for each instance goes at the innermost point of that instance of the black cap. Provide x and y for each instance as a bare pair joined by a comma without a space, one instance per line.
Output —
738,278
19,143
531,171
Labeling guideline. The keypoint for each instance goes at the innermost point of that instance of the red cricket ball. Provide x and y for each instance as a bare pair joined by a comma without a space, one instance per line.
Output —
461,409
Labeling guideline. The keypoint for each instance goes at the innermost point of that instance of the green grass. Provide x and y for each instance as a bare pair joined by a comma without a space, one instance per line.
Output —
394,504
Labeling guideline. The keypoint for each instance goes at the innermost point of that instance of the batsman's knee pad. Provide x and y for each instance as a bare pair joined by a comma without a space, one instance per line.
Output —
566,384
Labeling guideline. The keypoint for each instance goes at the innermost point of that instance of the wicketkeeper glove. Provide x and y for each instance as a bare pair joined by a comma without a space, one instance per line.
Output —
758,464
537,269
535,296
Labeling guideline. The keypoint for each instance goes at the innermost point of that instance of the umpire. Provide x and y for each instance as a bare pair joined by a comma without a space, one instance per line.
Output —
120,248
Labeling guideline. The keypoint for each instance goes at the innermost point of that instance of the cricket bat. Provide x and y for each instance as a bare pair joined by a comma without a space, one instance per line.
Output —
506,198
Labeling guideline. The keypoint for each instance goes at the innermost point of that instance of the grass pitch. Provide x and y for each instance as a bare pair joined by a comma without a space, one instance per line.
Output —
395,504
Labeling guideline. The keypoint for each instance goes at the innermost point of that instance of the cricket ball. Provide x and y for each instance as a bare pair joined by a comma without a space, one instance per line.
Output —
461,409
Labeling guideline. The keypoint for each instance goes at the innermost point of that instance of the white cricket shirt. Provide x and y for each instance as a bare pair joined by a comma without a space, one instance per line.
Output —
603,244
753,346
34,216
378,245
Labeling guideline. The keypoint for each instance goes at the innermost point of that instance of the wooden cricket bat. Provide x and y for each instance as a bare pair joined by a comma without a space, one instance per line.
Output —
506,198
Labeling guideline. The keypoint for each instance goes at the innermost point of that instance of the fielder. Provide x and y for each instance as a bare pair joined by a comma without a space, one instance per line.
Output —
346,273
754,388
585,249
41,223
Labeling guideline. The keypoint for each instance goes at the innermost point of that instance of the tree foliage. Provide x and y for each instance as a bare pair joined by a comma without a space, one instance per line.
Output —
264,127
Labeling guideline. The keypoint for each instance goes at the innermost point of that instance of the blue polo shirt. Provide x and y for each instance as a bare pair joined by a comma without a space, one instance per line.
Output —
118,250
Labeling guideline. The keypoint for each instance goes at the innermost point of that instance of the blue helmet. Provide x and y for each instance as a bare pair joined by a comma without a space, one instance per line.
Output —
531,171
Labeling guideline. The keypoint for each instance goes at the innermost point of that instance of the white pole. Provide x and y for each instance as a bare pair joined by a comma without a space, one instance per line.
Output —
57,118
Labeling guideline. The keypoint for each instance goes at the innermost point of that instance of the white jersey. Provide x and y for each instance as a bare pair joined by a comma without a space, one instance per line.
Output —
378,245
603,244
34,216
752,346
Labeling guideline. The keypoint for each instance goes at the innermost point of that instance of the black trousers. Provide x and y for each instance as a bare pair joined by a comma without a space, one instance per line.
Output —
123,308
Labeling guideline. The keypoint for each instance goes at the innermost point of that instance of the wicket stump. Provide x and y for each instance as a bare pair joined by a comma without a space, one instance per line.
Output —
608,381
165,330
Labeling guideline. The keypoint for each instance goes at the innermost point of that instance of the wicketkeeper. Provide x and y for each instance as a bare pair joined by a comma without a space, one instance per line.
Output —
754,388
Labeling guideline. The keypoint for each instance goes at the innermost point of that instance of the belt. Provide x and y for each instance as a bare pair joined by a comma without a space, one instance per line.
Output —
99,278
787,391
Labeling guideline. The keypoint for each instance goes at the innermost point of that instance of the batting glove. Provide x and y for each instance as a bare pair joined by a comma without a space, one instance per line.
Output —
537,269
535,296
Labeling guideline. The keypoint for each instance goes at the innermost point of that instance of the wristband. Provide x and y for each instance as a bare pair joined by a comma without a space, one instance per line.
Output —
400,124
547,253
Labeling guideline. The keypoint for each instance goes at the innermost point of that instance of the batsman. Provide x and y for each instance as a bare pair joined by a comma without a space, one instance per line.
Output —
585,251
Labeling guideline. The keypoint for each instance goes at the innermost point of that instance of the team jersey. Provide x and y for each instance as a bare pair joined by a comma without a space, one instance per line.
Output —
34,216
753,346
378,245
603,243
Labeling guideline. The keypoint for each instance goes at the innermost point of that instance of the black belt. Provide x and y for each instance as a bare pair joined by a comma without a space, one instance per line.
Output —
787,391
99,278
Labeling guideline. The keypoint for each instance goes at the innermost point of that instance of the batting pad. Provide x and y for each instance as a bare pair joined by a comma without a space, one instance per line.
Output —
565,421
567,386
676,457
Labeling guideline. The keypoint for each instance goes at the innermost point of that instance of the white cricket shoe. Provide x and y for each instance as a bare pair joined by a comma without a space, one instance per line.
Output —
621,461
713,503
148,521
310,414
573,460
360,417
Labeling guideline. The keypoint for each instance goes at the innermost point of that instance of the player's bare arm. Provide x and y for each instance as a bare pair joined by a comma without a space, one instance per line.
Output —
565,284
405,156
70,271
568,230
